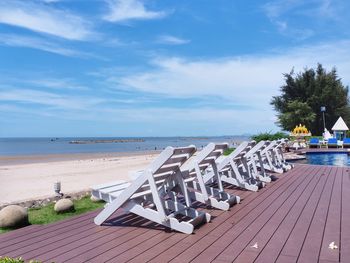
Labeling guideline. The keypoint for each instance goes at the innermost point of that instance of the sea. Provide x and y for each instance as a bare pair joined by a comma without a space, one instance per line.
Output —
68,145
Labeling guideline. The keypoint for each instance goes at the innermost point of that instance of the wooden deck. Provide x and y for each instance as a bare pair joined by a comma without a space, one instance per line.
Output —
291,220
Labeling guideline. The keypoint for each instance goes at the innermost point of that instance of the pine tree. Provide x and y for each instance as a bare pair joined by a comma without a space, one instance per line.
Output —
304,94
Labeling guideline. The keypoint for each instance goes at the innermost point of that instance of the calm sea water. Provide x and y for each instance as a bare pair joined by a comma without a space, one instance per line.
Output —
28,146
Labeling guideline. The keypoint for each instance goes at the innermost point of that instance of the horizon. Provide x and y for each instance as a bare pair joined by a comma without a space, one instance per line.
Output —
174,136
121,68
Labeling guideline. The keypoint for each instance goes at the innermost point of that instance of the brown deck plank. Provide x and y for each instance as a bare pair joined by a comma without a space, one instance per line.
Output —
81,246
276,217
237,213
20,236
238,243
345,216
139,250
270,252
159,247
263,236
134,245
103,246
54,247
332,228
286,259
296,239
26,241
312,244
15,233
116,250
212,251
214,229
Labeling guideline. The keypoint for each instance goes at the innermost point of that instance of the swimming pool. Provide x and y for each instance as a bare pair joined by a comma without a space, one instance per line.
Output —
337,159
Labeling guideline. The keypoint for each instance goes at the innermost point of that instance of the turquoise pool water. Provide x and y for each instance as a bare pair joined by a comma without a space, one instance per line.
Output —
337,159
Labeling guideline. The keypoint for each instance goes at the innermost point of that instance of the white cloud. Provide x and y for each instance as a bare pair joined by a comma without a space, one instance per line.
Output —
172,40
59,84
44,19
277,8
38,43
285,13
50,1
157,121
50,99
247,81
125,10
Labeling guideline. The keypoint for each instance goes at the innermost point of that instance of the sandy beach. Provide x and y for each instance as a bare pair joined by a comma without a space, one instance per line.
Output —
32,177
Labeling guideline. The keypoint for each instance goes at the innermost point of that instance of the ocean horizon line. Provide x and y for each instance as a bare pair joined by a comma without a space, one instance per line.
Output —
141,136
61,145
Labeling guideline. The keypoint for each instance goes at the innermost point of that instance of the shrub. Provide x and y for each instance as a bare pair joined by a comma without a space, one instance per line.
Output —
268,136
15,260
228,151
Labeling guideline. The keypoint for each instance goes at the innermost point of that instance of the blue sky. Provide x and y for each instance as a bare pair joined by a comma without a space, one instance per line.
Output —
158,67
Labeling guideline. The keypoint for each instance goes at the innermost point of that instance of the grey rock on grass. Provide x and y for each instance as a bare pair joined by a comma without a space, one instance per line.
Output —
64,205
13,216
95,199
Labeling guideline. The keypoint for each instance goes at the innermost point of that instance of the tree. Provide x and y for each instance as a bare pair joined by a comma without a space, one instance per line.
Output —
304,93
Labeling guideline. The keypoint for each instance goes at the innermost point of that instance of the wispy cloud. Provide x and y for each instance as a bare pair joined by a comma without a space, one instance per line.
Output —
50,1
172,40
59,84
286,13
125,10
247,80
38,43
277,8
50,99
40,17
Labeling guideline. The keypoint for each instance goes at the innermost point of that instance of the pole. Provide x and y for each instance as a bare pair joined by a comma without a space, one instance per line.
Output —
323,109
324,122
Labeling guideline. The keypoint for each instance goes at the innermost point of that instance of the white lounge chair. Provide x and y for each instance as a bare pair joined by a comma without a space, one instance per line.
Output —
150,195
231,170
195,171
269,158
279,154
252,159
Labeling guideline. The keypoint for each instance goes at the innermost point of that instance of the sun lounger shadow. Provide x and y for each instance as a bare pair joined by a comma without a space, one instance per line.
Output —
133,220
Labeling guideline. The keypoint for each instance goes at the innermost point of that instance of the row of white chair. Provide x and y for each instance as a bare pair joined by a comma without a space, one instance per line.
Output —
165,191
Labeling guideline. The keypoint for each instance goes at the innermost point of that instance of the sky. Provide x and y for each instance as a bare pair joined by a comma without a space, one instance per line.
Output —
159,67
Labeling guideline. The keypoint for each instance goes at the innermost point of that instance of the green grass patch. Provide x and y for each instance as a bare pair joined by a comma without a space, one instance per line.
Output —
228,151
4,230
47,214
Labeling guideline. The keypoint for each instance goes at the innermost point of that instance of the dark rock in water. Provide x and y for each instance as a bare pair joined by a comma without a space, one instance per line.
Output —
13,216
106,141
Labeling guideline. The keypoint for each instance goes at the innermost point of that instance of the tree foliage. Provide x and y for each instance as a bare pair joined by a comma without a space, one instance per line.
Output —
304,93
268,136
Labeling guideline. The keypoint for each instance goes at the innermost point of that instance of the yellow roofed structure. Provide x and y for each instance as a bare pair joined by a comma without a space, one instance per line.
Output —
300,131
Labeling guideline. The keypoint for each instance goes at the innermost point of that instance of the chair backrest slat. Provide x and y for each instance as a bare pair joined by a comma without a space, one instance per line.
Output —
235,154
167,155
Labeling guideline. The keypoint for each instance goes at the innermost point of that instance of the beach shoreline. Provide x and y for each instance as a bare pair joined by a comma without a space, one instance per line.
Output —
6,160
25,178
